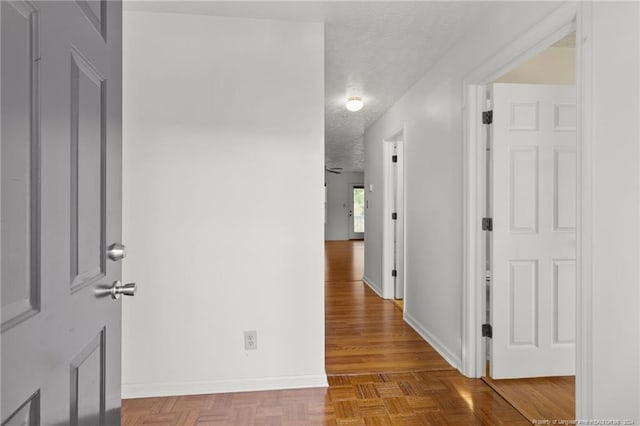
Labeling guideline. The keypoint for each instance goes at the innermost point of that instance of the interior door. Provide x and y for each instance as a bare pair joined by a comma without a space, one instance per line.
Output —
60,211
356,211
397,221
533,295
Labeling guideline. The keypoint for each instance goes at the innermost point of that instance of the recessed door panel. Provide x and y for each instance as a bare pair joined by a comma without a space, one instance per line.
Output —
524,189
88,384
564,185
20,167
523,303
524,116
564,301
565,117
87,172
95,11
28,414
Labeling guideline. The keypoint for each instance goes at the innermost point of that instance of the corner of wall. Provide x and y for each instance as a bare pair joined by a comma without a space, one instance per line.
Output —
373,286
450,356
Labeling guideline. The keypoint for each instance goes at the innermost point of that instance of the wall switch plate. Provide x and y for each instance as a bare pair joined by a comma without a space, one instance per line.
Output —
250,340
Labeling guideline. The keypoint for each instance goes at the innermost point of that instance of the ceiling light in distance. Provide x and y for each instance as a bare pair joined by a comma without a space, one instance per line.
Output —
354,103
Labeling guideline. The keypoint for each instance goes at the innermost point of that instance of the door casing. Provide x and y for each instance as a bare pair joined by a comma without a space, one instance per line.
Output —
567,18
398,138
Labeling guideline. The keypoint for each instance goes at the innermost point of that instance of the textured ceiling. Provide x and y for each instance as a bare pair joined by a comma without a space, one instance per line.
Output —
375,49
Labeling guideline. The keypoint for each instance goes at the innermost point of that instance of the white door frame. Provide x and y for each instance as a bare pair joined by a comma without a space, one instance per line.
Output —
570,16
399,137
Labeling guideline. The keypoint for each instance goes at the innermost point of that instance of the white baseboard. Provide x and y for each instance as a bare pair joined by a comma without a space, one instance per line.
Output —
372,286
222,386
449,356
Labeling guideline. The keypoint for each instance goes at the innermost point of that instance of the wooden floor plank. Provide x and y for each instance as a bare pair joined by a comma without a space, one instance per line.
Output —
364,333
540,398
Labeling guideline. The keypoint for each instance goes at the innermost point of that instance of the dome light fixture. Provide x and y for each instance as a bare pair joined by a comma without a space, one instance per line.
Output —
354,103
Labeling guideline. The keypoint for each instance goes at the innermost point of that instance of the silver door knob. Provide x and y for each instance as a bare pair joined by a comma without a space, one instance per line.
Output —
116,251
118,289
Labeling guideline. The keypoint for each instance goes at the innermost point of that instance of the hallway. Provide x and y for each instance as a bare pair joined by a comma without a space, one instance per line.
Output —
364,333
380,372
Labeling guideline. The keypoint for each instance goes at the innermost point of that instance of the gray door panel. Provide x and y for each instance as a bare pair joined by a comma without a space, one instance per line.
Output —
60,168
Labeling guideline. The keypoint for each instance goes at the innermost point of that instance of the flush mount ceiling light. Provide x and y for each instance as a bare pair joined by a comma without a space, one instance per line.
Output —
354,103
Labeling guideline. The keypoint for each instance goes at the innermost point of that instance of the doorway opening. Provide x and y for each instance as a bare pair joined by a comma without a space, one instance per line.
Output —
531,182
523,219
356,211
393,225
344,205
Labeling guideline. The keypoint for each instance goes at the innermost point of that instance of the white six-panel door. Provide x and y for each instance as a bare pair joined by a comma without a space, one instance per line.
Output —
533,294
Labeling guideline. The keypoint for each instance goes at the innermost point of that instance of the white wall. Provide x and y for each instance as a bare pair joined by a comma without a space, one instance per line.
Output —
554,65
223,203
431,111
615,201
339,203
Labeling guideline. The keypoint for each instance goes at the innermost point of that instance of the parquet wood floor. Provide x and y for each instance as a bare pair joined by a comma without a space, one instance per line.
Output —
412,399
401,380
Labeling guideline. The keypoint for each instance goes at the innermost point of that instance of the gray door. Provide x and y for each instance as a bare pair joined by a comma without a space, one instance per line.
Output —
60,211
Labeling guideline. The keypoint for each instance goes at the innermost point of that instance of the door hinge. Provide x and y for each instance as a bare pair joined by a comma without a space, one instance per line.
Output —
394,216
487,117
394,158
487,224
394,273
487,330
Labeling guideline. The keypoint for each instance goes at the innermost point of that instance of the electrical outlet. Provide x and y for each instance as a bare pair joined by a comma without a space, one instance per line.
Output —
250,340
